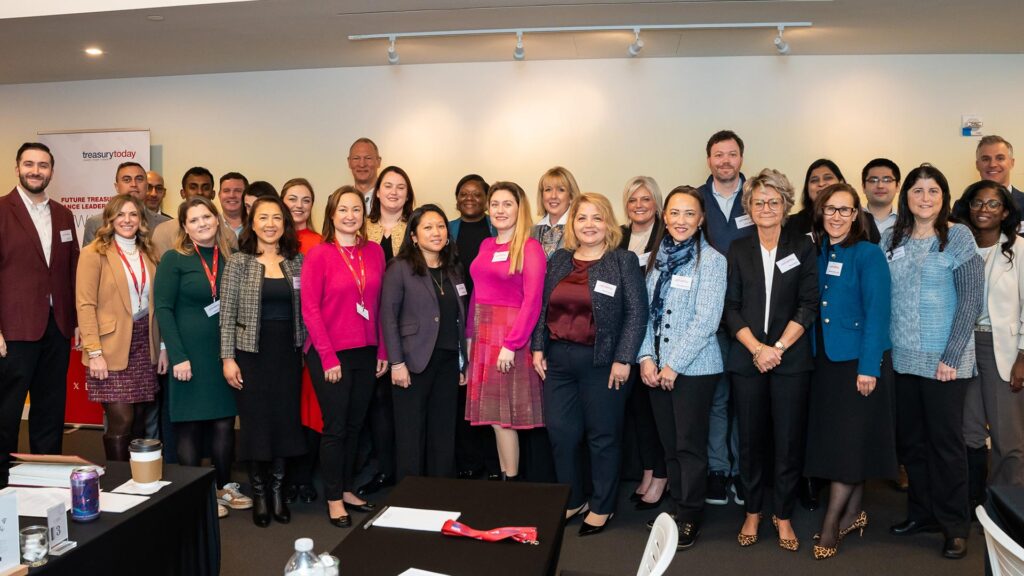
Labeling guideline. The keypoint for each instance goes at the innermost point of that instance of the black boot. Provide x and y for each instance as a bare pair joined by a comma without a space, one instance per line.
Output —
260,501
116,447
279,508
977,476
807,491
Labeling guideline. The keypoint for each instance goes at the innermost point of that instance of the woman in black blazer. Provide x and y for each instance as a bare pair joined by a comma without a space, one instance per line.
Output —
592,323
641,199
770,302
423,319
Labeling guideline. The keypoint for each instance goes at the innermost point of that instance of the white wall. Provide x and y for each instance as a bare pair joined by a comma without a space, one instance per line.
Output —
606,120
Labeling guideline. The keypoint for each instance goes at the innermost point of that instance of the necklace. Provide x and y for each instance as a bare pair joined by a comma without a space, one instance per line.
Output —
440,285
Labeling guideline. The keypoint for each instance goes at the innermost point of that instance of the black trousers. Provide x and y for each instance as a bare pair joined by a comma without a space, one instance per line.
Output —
344,405
475,447
930,442
425,418
640,418
683,415
580,408
39,368
771,409
381,424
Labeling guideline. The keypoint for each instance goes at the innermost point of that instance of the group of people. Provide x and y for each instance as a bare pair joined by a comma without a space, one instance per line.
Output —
750,349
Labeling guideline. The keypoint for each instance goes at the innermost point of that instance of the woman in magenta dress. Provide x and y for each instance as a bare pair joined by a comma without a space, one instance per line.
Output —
508,277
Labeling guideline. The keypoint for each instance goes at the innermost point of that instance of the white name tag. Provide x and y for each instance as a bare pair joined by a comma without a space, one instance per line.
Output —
461,289
212,309
744,221
682,282
500,256
605,288
141,314
834,268
787,263
895,254
65,236
643,258
362,311
297,283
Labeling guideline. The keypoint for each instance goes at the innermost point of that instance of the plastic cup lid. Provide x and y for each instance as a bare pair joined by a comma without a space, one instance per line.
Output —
145,445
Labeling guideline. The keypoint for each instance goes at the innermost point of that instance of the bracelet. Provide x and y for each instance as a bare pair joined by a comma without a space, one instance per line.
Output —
95,354
397,364
757,353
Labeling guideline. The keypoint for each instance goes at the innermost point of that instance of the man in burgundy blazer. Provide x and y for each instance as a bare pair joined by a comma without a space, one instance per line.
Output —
38,258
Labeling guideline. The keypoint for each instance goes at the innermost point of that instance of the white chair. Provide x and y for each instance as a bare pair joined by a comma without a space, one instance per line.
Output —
1005,555
661,547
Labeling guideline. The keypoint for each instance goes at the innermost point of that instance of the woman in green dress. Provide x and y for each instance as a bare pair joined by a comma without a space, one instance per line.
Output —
201,404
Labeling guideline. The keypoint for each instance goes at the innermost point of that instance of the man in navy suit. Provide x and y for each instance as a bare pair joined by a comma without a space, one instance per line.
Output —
994,161
38,259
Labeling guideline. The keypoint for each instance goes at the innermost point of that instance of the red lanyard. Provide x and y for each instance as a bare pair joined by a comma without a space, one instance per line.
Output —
360,279
135,281
522,534
211,276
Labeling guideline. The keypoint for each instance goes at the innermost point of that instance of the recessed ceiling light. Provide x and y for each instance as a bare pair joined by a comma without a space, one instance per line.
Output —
155,18
94,51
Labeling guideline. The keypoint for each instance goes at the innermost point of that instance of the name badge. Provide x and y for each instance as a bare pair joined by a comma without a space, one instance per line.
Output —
65,236
744,221
212,309
834,268
296,283
141,314
500,256
787,263
682,282
643,258
461,289
895,254
605,288
362,311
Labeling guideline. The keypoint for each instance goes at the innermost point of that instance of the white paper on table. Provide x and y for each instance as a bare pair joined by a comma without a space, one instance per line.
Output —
133,487
417,571
110,502
415,518
36,501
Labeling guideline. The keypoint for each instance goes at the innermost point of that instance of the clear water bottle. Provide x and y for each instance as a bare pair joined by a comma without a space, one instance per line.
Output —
304,562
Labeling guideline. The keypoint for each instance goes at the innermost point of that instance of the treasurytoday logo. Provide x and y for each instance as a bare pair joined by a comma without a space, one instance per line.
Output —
112,154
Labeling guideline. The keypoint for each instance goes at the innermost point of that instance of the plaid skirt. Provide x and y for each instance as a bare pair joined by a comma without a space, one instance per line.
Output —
511,400
137,382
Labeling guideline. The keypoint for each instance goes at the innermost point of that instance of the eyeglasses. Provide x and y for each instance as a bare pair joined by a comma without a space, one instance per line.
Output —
160,189
990,204
884,180
774,204
844,211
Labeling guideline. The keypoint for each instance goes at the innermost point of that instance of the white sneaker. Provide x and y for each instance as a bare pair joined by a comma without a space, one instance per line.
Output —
231,496
222,511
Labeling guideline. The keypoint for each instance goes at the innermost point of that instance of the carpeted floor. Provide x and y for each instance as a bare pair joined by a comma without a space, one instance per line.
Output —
248,550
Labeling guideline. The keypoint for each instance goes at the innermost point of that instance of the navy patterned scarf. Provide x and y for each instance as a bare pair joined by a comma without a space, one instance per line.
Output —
672,256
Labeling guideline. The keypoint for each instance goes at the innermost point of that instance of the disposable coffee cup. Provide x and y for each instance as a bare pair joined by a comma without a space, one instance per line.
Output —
147,460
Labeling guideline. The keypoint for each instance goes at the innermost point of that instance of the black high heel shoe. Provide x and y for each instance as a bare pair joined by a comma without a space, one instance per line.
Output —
364,507
341,521
645,505
590,529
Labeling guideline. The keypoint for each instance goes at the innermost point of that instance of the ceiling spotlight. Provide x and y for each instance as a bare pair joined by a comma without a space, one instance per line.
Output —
519,53
94,51
637,45
392,53
781,45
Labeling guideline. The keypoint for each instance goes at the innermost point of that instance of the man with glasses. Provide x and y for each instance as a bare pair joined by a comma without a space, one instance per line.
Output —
726,222
881,180
130,178
364,161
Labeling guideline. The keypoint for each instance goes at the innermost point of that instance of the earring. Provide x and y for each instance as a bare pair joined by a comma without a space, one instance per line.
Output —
447,241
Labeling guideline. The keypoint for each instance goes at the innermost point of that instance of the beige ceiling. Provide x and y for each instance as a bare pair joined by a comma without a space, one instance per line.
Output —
292,34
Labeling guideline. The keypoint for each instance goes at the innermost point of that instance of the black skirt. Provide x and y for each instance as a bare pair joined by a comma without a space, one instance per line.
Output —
850,437
268,403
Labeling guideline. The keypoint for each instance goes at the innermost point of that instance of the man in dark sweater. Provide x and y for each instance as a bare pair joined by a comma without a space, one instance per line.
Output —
725,222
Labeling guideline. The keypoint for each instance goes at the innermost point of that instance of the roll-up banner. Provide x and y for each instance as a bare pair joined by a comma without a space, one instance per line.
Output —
84,166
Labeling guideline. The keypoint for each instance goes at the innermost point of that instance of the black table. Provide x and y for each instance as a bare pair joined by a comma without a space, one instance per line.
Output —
174,532
484,505
1005,505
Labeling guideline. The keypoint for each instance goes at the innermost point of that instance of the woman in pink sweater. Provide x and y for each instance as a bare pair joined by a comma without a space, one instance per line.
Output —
341,282
508,278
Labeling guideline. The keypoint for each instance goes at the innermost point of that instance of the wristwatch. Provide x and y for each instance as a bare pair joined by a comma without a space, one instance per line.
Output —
780,346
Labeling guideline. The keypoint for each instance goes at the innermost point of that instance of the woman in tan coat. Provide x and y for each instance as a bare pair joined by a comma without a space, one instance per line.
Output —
120,341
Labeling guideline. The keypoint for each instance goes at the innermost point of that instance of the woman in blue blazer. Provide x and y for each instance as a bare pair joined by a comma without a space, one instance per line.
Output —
680,359
592,321
850,432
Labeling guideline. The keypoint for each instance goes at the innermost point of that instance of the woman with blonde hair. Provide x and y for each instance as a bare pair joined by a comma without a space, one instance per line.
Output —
556,191
509,277
120,341
187,296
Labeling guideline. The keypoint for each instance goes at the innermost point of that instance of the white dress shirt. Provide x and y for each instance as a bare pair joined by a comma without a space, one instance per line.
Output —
40,214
